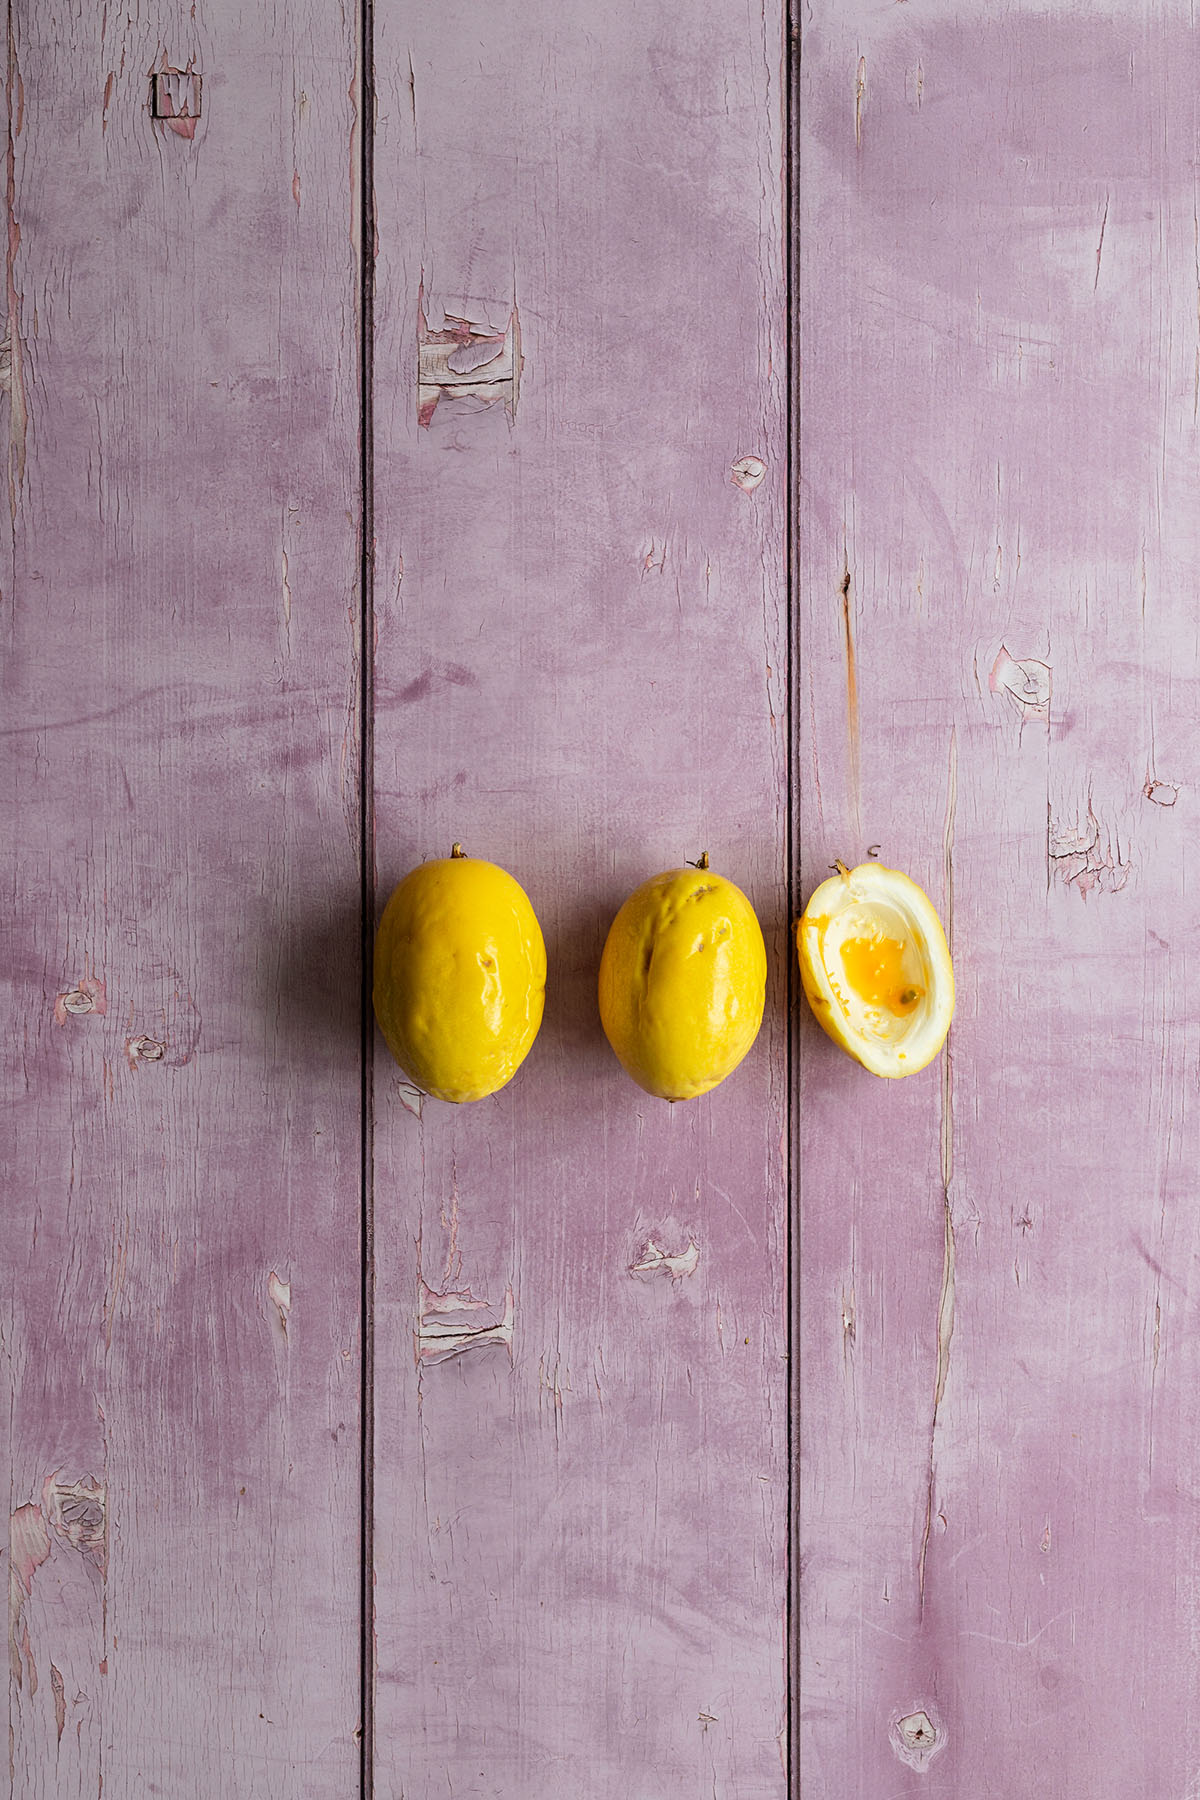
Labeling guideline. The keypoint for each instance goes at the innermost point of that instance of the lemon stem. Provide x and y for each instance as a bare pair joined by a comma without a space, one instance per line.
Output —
702,863
842,870
457,852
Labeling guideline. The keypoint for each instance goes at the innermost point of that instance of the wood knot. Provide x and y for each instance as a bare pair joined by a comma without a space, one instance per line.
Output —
915,1739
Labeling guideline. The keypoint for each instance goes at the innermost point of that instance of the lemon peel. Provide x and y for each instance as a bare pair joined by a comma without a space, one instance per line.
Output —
683,981
876,968
460,976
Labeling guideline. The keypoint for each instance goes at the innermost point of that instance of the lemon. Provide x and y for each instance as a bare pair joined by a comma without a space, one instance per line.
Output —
682,982
460,976
876,968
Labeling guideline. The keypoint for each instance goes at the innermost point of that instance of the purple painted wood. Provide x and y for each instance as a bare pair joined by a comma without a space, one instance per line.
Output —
179,1320
1000,449
580,674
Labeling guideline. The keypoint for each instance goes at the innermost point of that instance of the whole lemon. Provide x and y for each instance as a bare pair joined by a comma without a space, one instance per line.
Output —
460,976
682,982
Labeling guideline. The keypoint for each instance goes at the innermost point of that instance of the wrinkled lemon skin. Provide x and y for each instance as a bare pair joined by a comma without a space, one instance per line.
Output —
904,1017
682,982
460,977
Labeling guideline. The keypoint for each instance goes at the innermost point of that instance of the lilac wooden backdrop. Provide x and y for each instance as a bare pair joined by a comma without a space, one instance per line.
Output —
179,1319
580,673
997,304
578,626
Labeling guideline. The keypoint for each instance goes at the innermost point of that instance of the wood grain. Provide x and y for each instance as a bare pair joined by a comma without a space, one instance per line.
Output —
997,319
179,1321
580,674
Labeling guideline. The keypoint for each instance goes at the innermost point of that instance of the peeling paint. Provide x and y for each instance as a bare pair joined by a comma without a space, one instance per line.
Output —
444,1332
143,1049
60,1700
28,1548
652,1259
175,98
916,1740
77,1514
849,1322
280,1295
748,473
1028,684
1161,793
87,996
411,1098
466,358
1085,856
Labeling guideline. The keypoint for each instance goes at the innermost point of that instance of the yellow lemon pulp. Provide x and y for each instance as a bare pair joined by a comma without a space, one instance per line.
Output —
683,982
460,977
876,969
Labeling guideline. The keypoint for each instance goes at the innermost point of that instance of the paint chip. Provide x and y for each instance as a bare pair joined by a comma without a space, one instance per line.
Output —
916,1739
175,99
651,1259
88,996
28,1548
77,1514
1027,684
466,357
748,473
444,1332
280,1295
1085,857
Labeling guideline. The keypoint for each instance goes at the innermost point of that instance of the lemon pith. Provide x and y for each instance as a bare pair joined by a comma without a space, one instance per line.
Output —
683,982
876,969
460,977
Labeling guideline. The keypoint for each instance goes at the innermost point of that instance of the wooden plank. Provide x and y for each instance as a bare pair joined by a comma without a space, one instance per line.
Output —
580,674
181,1231
997,314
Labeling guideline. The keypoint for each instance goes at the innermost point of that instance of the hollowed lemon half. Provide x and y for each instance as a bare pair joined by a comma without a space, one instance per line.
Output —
876,968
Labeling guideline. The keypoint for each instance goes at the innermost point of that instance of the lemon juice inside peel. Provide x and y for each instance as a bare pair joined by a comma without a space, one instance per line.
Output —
874,969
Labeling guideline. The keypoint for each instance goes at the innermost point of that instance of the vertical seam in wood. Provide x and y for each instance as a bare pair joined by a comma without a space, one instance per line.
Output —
791,186
366,821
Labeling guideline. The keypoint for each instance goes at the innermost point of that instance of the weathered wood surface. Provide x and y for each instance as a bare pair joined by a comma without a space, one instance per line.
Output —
580,1521
179,1314
997,310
